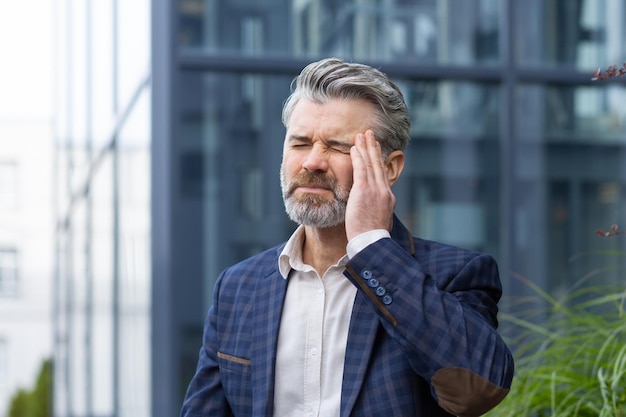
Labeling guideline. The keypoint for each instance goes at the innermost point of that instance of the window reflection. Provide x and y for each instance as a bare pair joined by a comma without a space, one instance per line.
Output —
424,31
466,110
569,170
579,114
574,33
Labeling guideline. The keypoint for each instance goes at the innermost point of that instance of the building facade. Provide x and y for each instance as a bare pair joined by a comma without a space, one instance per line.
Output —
169,160
26,253
26,198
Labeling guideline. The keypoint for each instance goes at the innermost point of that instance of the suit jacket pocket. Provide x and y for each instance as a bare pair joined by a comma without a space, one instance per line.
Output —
230,363
236,381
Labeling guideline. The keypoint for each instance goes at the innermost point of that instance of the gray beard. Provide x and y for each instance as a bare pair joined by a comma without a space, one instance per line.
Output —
311,210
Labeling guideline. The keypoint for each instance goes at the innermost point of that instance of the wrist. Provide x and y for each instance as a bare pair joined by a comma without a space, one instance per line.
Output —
362,240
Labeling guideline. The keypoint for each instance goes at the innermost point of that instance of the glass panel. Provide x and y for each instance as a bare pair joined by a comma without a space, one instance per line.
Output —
424,31
586,114
79,97
103,67
466,111
570,171
78,316
103,75
133,49
449,190
134,274
229,148
62,397
100,301
584,34
73,129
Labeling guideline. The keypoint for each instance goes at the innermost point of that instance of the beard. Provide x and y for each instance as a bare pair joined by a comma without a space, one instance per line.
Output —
312,209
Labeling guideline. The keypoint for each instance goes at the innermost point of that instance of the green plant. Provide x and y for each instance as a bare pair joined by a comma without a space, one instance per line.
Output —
19,404
38,401
570,356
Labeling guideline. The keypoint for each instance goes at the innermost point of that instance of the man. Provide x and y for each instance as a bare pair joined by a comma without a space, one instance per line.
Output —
352,316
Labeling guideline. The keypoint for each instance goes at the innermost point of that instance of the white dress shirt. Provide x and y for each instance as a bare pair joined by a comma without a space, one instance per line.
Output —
314,331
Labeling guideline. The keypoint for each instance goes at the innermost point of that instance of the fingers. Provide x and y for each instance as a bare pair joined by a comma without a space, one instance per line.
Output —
367,159
371,202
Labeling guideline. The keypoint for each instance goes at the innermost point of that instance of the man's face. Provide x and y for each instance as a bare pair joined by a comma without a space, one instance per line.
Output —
316,172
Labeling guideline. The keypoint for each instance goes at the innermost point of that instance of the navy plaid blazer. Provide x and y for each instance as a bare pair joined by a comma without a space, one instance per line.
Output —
422,340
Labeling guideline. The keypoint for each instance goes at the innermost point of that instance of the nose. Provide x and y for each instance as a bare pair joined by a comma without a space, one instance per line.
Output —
316,159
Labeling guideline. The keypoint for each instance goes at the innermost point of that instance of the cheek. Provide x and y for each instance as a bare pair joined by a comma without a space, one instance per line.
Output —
289,168
288,164
344,177
295,159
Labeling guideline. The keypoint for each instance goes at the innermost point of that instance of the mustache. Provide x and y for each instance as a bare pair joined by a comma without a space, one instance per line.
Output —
314,179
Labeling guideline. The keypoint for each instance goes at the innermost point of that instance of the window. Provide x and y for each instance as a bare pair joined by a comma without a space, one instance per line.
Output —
8,273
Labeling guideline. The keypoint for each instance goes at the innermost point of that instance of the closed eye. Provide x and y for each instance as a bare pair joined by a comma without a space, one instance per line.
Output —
337,146
300,145
341,149
299,141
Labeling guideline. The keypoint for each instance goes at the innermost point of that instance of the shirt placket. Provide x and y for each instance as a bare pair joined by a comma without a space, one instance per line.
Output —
313,348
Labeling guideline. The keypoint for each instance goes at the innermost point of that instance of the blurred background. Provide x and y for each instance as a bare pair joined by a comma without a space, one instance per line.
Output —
140,143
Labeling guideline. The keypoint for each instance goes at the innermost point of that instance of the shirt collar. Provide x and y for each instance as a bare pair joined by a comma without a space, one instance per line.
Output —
291,255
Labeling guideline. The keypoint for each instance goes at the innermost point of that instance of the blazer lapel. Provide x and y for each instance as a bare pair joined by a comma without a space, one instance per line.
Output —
268,301
361,338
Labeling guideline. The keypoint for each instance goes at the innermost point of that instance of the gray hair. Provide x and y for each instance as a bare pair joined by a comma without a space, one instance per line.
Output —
331,78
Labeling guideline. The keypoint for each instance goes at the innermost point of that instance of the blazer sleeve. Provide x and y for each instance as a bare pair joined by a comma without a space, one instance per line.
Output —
441,310
205,395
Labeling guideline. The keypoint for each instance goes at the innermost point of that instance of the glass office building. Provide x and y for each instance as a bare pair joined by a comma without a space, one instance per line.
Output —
102,161
169,150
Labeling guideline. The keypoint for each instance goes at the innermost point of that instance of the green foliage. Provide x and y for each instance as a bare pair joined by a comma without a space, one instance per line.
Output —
38,401
19,404
570,356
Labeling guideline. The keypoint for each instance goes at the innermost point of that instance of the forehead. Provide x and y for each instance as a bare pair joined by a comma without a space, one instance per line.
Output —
332,117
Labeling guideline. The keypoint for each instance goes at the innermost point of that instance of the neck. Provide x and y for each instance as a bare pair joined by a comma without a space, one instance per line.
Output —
324,247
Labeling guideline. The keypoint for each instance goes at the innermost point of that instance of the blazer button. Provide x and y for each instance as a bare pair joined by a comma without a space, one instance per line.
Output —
387,299
366,274
373,282
380,291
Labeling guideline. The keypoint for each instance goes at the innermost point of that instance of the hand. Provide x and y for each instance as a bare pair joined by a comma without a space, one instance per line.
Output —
371,201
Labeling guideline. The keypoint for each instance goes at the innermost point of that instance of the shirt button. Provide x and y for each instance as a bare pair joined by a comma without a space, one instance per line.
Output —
313,351
366,274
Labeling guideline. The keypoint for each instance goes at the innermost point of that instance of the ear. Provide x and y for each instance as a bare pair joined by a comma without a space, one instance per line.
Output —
394,164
